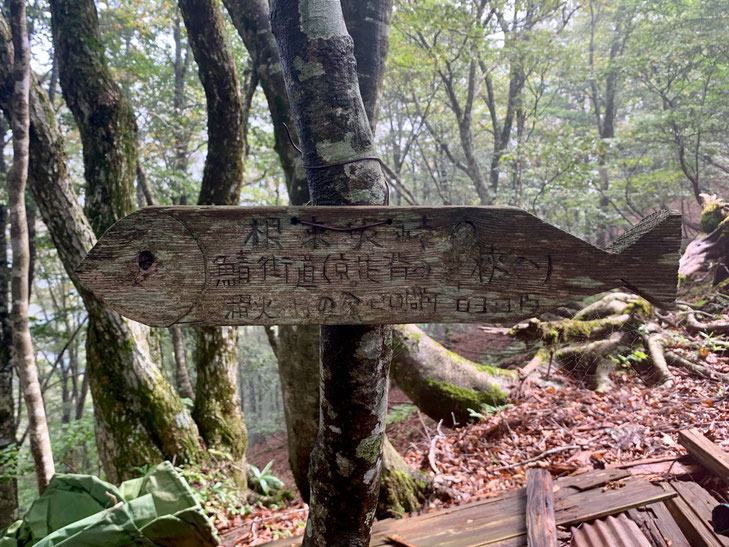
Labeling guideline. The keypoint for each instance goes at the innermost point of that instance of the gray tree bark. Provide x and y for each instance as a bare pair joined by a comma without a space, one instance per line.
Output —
297,347
23,355
253,22
182,376
317,57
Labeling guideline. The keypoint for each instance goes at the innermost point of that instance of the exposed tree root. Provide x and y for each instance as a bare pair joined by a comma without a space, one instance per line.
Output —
694,326
674,359
618,324
653,342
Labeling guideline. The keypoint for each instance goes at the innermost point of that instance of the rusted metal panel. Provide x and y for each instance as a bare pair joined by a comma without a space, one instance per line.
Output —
613,531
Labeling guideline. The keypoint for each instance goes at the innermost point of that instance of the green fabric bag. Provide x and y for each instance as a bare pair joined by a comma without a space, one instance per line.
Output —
158,509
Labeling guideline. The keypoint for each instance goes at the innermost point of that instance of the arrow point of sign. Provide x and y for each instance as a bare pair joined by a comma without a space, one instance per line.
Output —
148,267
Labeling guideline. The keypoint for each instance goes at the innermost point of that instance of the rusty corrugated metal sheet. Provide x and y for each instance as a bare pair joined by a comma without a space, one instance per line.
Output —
612,531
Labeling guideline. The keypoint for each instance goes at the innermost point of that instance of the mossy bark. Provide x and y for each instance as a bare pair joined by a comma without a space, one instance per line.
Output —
103,113
217,409
705,262
403,490
319,70
130,391
441,383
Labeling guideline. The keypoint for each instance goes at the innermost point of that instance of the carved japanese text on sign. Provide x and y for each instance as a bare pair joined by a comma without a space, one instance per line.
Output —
345,265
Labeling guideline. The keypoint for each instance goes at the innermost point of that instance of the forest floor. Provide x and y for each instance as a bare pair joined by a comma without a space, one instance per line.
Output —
556,422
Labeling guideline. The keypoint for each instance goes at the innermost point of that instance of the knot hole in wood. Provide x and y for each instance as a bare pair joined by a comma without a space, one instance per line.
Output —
145,259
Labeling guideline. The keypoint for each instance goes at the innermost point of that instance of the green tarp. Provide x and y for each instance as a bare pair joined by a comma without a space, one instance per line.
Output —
82,510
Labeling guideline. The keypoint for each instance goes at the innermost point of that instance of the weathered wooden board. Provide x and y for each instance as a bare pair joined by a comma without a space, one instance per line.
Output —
540,524
709,455
350,265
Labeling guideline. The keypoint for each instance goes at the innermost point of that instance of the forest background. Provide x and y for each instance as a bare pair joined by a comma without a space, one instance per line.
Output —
588,114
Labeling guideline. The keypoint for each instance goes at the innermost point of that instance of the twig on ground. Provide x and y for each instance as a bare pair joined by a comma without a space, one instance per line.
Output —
537,457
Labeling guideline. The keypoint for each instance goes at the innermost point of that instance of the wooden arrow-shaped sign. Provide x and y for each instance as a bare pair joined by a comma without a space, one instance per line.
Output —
373,265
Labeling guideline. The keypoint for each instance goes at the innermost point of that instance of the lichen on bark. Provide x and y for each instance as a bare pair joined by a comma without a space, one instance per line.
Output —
217,410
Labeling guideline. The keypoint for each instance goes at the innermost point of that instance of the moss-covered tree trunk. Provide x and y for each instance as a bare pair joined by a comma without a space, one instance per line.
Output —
217,409
321,79
441,383
103,113
137,412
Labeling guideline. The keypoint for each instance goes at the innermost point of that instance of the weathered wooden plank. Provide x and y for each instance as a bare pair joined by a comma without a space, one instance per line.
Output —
540,523
663,529
349,265
691,513
707,453
585,481
667,526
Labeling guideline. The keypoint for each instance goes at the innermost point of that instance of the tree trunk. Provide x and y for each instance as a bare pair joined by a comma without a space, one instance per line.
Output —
122,372
184,386
297,347
317,57
441,383
8,485
103,114
217,408
402,490
23,355
297,351
253,23
368,23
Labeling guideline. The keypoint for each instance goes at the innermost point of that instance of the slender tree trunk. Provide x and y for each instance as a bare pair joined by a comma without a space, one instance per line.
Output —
331,120
154,424
40,442
368,23
184,386
297,351
253,23
8,486
217,409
